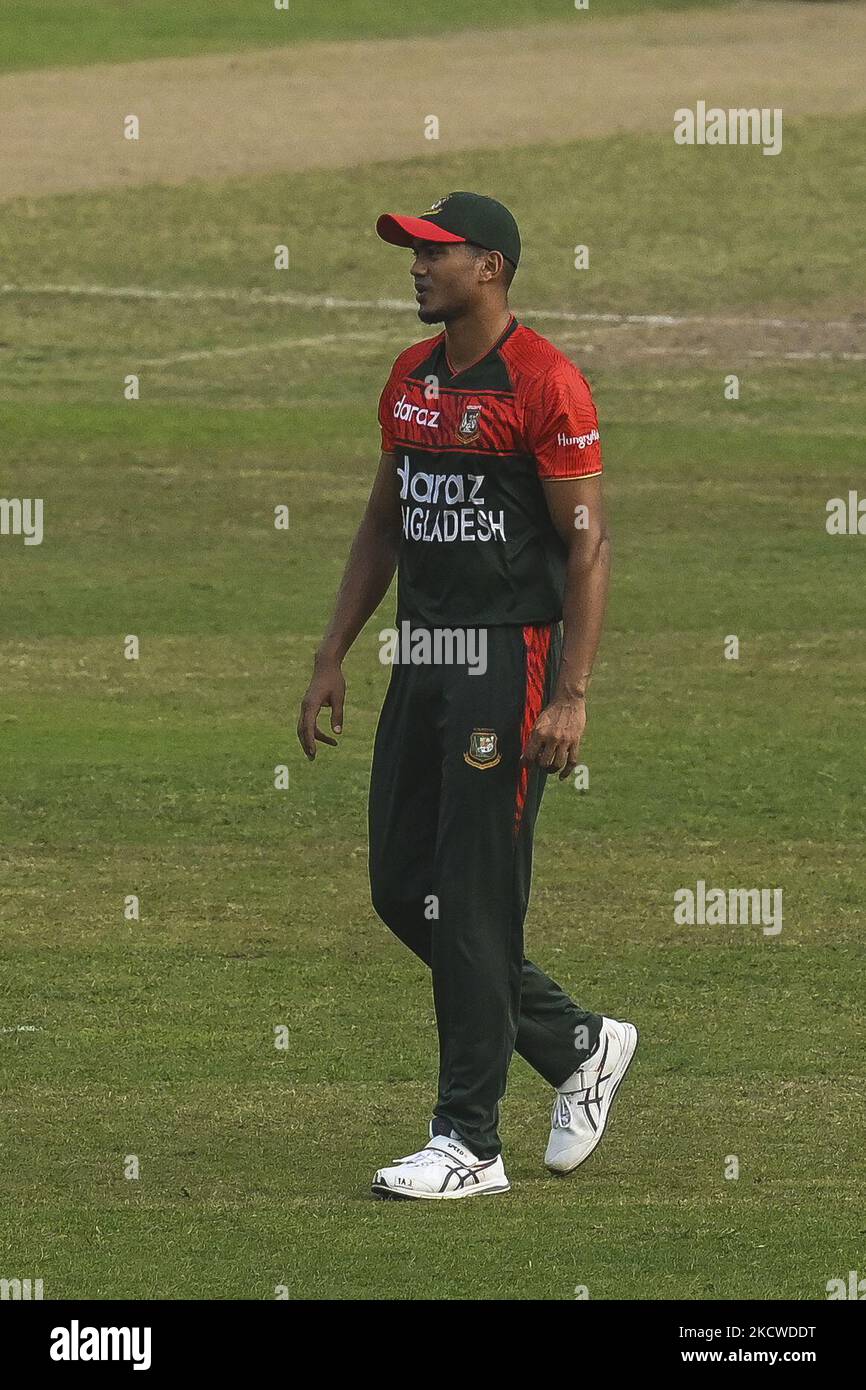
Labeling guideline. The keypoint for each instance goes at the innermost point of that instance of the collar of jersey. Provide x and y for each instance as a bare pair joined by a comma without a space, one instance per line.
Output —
512,323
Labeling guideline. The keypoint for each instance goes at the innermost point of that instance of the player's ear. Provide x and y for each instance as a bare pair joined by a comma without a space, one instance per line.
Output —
492,264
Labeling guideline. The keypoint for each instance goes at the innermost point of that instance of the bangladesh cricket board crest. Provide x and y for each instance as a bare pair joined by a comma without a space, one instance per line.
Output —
483,749
469,425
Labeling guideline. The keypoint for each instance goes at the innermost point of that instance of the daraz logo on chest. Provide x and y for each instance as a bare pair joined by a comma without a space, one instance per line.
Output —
421,414
426,487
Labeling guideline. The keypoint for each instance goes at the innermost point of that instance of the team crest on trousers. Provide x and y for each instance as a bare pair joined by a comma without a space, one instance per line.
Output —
469,424
483,749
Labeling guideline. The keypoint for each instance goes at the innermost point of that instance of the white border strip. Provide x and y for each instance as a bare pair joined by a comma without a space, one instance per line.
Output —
323,340
327,301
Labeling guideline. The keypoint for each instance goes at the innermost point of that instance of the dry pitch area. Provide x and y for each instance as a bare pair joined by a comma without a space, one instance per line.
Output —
326,105
330,106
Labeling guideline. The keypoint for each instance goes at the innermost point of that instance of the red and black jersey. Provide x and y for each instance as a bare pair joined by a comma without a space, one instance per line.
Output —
471,448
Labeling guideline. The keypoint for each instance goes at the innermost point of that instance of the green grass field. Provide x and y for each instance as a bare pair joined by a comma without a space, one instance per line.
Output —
155,777
36,33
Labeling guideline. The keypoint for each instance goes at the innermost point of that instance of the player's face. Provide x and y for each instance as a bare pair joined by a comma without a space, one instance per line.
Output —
446,279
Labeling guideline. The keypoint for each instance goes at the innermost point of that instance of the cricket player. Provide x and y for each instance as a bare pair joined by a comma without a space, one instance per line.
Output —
488,503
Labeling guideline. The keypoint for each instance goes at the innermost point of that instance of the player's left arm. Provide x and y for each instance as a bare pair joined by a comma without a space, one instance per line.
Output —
576,507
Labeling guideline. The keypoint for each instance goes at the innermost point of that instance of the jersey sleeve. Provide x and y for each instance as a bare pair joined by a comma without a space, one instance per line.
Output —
386,409
561,425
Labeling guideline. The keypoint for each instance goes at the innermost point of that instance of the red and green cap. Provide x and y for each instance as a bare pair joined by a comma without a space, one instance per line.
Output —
459,217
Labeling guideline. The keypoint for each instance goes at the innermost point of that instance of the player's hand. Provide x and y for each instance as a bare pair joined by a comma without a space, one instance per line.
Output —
328,687
554,744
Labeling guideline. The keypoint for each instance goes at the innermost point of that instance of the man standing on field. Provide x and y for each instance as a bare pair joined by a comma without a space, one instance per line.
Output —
488,502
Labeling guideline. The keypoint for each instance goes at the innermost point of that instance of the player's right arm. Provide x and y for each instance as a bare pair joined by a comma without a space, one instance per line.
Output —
366,579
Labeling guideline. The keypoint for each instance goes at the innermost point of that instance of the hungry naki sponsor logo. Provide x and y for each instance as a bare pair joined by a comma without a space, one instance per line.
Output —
719,907
577,441
77,1343
739,125
449,522
434,646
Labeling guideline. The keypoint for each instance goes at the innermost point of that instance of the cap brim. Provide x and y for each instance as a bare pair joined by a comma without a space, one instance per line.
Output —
402,231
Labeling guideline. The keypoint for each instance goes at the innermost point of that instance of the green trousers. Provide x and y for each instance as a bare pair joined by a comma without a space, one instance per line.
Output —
451,821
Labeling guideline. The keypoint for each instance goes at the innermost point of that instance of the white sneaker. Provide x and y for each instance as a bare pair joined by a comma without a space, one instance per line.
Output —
422,1153
582,1105
444,1169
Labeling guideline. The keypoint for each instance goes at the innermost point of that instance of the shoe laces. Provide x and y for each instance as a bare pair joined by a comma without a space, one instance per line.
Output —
561,1117
431,1153
581,1096
423,1158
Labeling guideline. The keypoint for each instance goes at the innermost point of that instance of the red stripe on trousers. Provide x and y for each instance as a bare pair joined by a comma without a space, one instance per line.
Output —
536,641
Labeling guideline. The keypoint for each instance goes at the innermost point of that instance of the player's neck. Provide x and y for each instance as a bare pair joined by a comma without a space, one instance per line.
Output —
469,339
